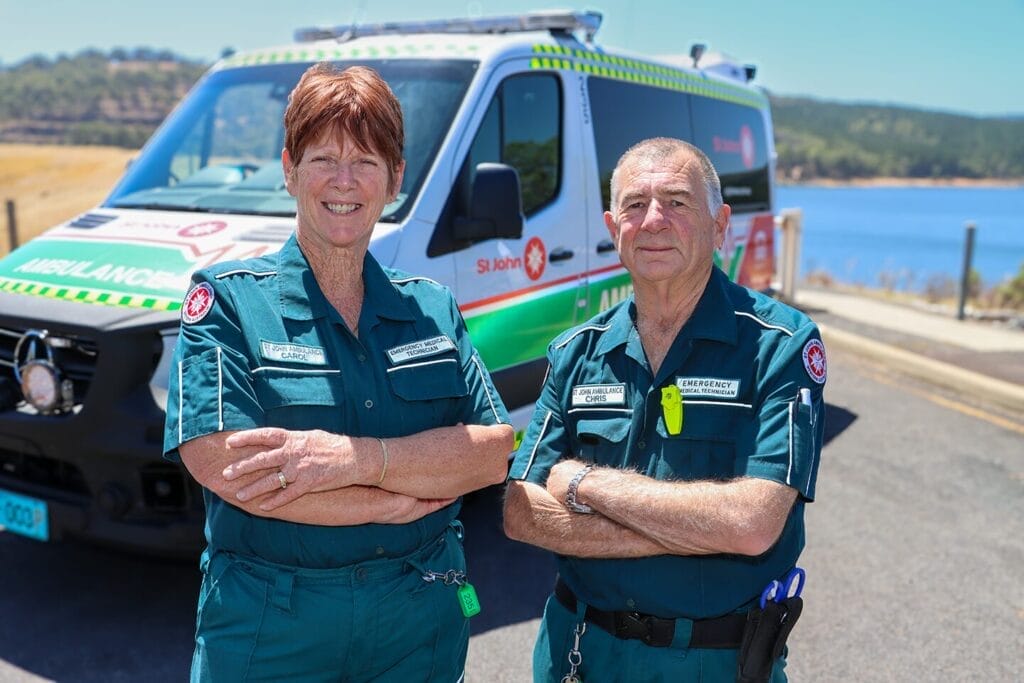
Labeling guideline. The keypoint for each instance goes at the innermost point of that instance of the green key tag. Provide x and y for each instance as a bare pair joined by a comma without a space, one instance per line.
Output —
468,601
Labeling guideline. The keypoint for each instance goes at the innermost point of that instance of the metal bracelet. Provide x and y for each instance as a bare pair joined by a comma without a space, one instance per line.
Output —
570,493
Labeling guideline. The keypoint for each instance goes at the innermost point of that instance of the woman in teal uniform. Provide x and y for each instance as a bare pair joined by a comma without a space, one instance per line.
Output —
334,412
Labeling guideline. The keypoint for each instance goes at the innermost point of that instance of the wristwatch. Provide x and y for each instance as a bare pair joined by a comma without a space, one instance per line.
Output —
570,493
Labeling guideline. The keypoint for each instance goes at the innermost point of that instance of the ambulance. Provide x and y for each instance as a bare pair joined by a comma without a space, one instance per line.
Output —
513,127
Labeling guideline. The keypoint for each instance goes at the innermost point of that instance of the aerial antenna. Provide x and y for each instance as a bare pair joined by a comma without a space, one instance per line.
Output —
697,51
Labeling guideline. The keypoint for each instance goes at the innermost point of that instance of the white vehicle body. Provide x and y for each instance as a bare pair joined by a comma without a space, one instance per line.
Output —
89,310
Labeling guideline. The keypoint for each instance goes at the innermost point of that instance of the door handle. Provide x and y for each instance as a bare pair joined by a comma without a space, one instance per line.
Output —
604,246
560,254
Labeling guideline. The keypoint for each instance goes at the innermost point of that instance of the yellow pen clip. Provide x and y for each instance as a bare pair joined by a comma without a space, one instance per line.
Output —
672,409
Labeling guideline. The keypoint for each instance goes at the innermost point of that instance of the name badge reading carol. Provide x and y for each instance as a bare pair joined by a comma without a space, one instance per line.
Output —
599,395
293,353
420,349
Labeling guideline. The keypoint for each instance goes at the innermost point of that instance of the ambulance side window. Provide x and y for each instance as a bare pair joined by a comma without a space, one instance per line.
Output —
734,138
625,113
521,128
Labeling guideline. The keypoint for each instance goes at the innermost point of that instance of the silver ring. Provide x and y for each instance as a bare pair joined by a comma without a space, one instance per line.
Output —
280,478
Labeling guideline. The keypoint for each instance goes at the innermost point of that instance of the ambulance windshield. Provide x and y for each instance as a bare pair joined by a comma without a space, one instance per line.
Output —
220,150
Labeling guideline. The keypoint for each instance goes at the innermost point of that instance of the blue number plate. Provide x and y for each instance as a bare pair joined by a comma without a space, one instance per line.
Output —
24,515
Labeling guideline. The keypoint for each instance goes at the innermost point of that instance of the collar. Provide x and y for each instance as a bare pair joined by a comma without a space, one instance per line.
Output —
301,296
303,299
712,318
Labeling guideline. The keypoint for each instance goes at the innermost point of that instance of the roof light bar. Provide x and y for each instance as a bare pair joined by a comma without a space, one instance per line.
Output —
555,21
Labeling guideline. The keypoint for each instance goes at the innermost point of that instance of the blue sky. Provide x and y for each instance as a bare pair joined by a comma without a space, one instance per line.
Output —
962,57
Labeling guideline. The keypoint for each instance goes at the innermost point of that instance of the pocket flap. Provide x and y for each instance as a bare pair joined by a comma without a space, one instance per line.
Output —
279,390
610,429
427,381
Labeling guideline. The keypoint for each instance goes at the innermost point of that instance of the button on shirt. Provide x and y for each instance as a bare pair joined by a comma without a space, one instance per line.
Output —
739,363
271,351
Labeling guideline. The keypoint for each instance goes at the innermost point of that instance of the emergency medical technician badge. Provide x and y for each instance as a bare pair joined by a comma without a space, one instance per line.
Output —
198,303
814,360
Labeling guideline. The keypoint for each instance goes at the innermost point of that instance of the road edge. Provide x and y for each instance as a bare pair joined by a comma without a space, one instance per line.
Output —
1006,394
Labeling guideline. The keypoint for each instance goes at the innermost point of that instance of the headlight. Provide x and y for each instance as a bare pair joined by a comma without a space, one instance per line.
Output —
158,383
43,388
35,370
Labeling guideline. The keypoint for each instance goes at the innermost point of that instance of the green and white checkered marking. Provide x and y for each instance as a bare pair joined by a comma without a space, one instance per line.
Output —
89,296
647,73
344,53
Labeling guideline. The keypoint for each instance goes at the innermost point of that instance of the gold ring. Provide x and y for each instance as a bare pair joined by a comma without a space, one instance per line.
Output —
280,478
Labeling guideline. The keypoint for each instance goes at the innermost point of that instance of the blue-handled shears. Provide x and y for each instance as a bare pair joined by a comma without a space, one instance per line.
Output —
790,587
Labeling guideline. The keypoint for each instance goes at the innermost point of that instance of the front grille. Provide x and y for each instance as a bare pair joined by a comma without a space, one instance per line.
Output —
74,356
164,487
42,471
91,220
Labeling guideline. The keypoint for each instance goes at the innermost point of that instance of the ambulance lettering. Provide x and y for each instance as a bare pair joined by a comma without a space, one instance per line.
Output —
498,264
107,272
744,146
613,295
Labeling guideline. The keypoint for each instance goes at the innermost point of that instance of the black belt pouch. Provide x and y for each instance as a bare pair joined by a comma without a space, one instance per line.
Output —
764,636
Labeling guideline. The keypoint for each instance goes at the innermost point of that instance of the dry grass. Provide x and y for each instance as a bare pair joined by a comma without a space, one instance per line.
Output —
53,183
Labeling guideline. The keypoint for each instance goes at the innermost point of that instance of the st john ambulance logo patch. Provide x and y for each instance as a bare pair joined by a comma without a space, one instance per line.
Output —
198,303
814,360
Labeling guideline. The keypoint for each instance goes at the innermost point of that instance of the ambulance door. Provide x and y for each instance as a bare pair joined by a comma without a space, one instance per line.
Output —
518,294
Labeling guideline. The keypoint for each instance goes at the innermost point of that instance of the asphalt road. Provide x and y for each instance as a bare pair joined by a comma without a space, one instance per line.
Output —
915,549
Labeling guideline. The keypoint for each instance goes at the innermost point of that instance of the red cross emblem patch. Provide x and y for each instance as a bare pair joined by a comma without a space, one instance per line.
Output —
198,303
814,360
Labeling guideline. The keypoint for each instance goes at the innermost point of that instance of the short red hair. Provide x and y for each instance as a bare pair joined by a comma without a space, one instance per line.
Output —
356,103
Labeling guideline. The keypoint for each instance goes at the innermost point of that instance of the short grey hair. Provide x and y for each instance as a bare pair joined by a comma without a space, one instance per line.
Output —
654,150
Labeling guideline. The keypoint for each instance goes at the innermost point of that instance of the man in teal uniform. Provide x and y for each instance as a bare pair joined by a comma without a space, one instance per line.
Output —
673,447
334,412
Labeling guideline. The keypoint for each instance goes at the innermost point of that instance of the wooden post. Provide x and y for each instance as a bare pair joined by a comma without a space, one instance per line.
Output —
12,226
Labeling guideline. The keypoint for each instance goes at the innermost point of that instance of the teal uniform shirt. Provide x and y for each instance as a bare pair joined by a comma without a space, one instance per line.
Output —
740,362
269,350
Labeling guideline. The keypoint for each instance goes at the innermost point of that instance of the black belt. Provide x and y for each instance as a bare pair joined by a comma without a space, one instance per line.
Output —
720,633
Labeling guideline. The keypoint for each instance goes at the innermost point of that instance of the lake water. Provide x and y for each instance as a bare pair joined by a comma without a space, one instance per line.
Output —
910,234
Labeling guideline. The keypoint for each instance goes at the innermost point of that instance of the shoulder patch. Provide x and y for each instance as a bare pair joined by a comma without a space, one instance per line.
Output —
198,303
814,360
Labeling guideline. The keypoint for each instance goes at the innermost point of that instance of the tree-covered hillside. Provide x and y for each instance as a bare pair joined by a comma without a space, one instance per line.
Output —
817,139
118,98
115,98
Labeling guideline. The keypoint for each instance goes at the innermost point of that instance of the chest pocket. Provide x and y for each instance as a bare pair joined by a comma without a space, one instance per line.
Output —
705,448
301,400
429,394
601,437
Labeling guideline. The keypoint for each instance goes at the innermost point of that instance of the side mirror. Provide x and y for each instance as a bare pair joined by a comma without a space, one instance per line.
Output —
495,205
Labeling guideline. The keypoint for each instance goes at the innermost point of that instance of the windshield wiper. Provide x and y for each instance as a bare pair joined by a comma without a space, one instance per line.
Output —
160,206
252,212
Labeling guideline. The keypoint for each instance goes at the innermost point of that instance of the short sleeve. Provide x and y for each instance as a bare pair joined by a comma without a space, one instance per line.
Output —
545,440
783,443
210,385
483,404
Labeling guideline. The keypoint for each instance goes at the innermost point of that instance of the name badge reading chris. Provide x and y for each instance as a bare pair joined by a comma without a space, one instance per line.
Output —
599,395
420,349
293,353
